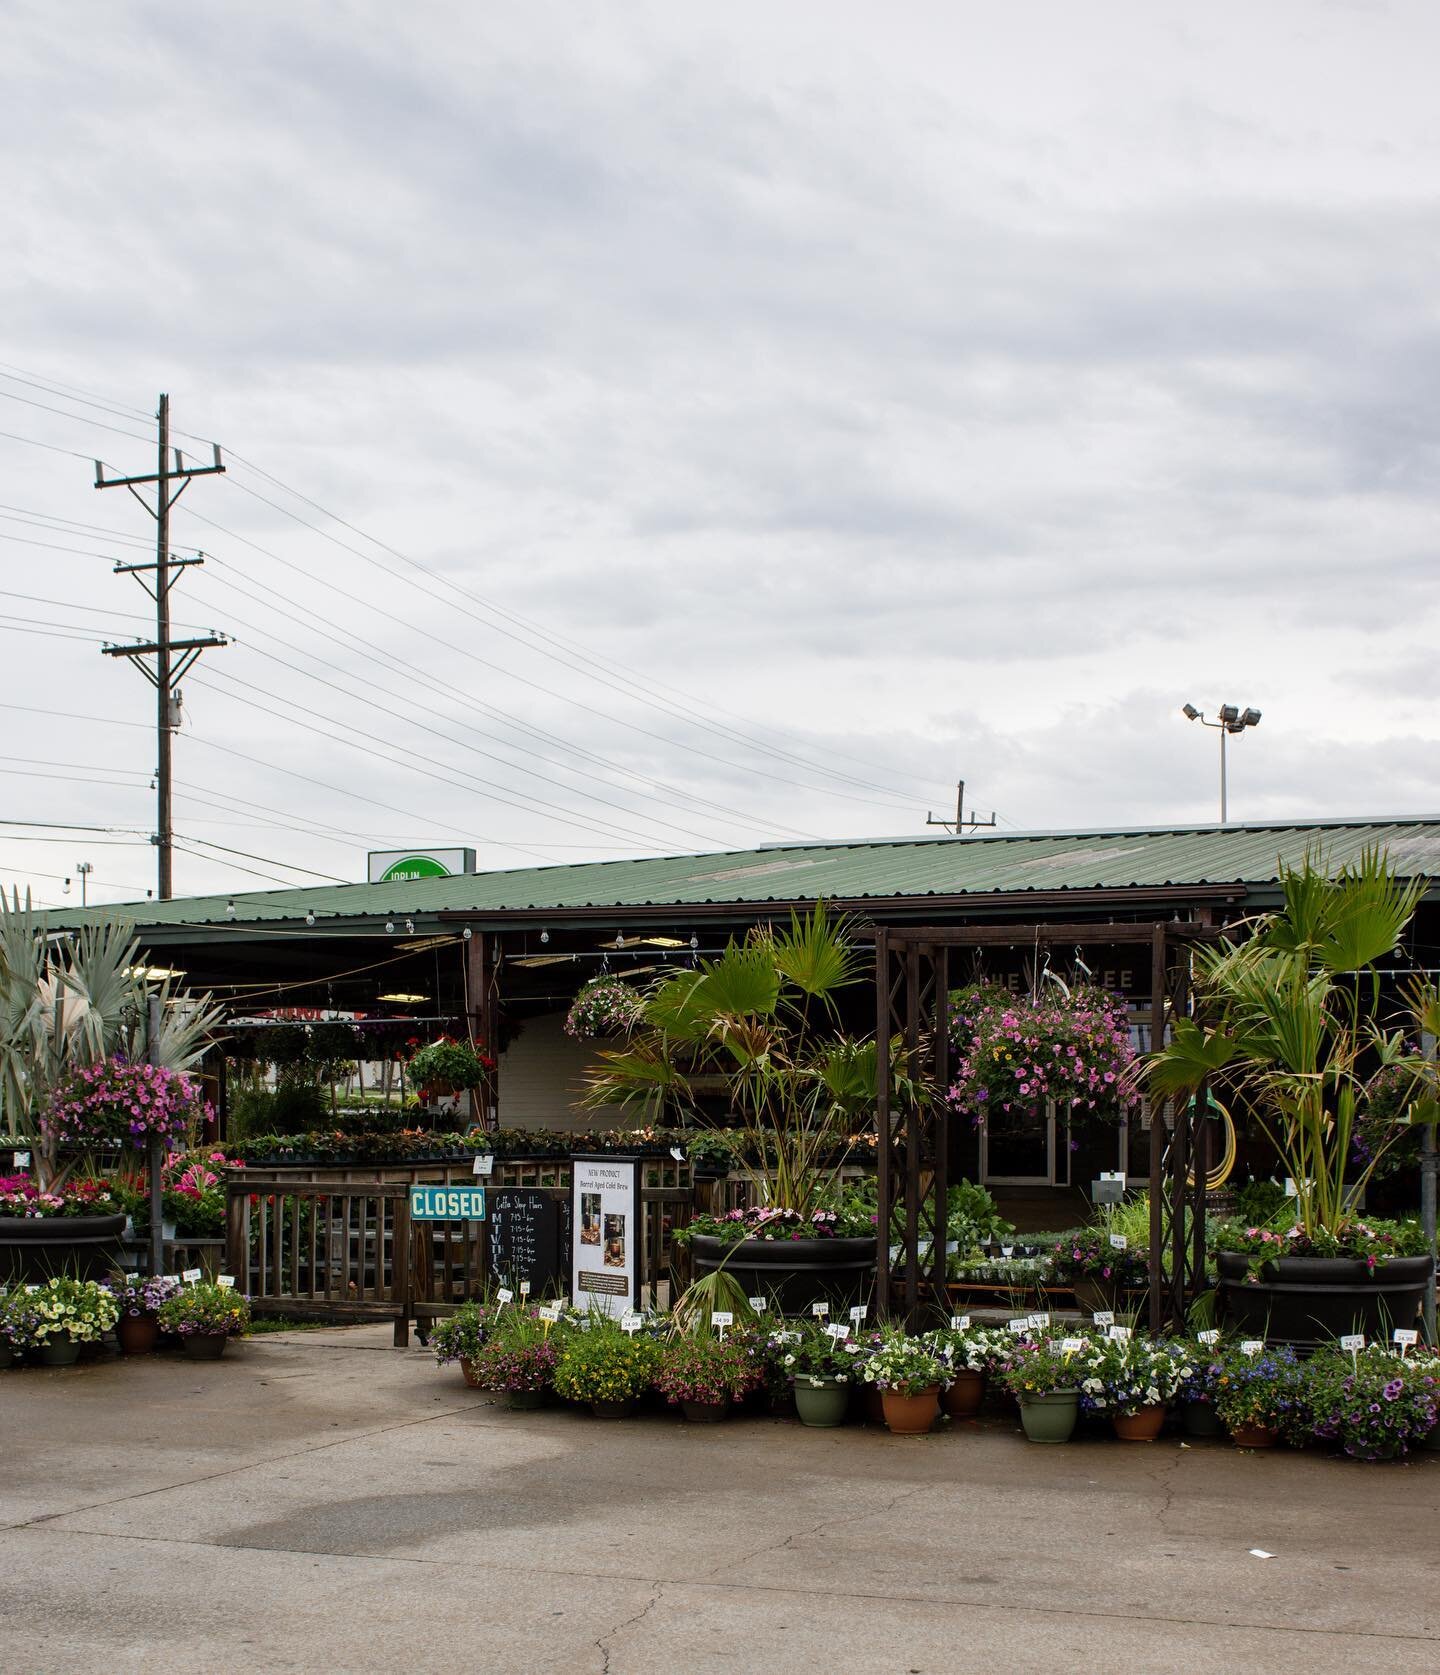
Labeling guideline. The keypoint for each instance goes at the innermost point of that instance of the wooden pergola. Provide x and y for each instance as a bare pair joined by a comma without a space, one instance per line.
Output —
912,994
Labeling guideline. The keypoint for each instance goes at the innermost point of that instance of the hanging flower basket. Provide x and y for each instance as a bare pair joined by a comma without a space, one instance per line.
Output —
447,1066
1012,1053
605,1006
116,1103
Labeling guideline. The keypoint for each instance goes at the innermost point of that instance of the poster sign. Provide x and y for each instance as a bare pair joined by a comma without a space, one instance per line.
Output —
605,1261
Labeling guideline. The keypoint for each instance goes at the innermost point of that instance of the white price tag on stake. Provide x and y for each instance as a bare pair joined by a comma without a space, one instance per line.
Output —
1405,1336
1290,1188
959,1322
504,1295
549,1311
1212,1336
191,1276
631,1322
838,1332
857,1314
1353,1341
1252,1346
1120,1334
722,1317
1019,1325
1118,1241
819,1310
22,1160
524,1288
1040,1321
757,1303
788,1337
1071,1346
226,1282
485,1163
1103,1317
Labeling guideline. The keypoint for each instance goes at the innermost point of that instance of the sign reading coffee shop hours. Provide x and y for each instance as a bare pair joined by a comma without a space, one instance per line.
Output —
390,866
606,1232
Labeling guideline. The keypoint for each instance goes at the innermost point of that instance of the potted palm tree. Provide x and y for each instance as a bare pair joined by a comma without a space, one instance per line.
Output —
762,1020
1299,1019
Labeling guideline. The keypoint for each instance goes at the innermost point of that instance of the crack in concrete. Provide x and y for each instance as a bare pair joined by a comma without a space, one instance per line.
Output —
994,1607
602,1641
825,1523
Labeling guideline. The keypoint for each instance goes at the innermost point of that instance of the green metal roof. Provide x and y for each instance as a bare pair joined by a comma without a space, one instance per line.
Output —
906,868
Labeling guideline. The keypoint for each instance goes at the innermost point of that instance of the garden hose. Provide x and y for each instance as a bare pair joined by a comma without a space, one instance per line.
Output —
1218,1176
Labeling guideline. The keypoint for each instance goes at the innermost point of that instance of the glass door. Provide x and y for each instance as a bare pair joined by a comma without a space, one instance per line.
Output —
1017,1147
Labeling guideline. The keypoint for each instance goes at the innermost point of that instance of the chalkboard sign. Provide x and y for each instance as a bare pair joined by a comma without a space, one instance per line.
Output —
529,1240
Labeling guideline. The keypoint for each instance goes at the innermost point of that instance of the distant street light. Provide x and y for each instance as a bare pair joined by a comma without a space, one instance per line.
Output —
1232,720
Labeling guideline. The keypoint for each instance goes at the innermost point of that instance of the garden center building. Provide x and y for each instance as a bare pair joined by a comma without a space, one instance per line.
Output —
503,953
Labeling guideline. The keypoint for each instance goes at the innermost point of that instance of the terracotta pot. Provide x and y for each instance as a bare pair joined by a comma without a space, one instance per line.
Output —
472,1378
137,1333
962,1398
911,1416
705,1413
1144,1426
1253,1436
204,1346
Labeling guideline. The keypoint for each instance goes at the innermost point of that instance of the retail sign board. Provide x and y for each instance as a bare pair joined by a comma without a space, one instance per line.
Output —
447,1203
606,1233
390,866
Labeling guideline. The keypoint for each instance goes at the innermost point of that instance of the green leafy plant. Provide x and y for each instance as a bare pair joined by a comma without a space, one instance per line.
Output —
449,1066
209,1310
699,1367
458,1336
63,1309
606,1364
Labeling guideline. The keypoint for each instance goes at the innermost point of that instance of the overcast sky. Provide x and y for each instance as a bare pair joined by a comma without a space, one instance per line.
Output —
745,420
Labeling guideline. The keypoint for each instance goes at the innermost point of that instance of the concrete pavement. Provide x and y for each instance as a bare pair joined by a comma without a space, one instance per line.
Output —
324,1502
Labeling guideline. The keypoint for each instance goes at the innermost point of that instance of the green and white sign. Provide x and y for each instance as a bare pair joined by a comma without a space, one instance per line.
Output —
447,1203
389,866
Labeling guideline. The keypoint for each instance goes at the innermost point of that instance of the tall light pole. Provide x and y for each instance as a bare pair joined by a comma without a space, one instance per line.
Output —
1232,719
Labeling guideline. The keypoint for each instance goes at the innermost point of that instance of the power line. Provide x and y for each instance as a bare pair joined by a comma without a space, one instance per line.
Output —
70,392
76,418
269,860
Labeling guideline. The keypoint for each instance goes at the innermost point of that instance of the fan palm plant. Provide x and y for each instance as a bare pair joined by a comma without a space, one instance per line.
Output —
764,1017
70,1001
1294,1020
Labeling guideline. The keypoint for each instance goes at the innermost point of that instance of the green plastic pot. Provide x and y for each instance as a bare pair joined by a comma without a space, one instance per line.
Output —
1051,1417
824,1404
60,1352
1201,1420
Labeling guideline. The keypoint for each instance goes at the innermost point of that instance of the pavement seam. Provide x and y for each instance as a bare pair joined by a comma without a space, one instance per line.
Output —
602,1641
993,1606
825,1523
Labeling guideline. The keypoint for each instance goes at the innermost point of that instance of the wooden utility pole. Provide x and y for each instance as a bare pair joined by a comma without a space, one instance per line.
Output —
166,674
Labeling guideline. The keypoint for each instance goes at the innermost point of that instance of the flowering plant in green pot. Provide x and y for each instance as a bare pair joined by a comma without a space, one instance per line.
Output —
64,1313
1046,1375
822,1357
1374,1402
607,1367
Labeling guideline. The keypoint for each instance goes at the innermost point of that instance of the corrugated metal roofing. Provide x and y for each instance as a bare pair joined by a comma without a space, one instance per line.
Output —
914,868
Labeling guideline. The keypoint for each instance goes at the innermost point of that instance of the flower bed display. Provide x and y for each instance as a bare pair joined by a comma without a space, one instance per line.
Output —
74,1230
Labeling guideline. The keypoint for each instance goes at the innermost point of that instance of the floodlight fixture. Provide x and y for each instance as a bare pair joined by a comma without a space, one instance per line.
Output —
1229,719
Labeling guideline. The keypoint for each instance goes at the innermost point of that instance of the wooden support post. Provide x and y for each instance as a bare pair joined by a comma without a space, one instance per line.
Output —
883,1181
400,1258
480,1017
911,1241
1157,1132
939,1116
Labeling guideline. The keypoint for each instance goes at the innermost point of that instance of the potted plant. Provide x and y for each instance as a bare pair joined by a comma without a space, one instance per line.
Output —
1295,1020
967,1353
73,1229
1137,1379
762,1023
204,1317
1376,1404
139,1298
517,1356
458,1337
1199,1366
1099,1267
607,1367
1260,1394
704,1374
1045,1375
447,1066
908,1375
64,1314
604,1006
823,1368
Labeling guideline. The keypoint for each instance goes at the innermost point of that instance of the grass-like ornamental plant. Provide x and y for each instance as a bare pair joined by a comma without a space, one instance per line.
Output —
903,1364
606,1364
205,1310
1375,1403
712,1370
459,1336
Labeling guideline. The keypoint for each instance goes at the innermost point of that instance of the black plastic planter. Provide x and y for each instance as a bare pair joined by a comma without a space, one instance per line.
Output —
34,1249
1311,1300
791,1274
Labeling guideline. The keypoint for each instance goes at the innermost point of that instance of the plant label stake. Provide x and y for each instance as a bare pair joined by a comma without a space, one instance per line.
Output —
1405,1336
1104,1317
524,1288
1118,1241
504,1295
1354,1342
631,1322
226,1282
819,1310
1071,1346
1019,1325
857,1314
720,1319
191,1276
485,1164
836,1331
959,1322
1252,1346
1210,1337
1040,1321
1120,1334
22,1160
